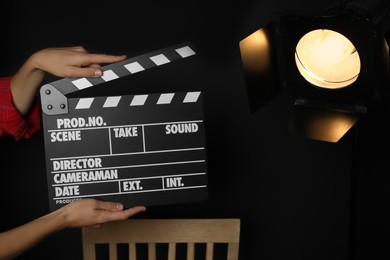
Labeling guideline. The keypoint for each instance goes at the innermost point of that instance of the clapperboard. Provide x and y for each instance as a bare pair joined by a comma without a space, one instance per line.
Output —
137,149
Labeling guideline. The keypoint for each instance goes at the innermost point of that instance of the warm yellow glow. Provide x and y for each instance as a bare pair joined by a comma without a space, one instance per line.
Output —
333,128
255,52
327,59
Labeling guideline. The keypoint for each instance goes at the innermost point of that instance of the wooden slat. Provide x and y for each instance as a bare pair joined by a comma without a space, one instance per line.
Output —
171,251
132,251
152,251
233,249
209,251
89,251
113,252
190,251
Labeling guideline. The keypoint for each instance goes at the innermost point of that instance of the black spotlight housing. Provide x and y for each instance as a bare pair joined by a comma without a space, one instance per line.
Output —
370,85
319,113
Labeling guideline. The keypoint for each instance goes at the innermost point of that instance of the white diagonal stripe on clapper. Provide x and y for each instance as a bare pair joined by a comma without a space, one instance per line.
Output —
84,103
160,59
138,100
185,51
191,97
112,101
109,75
82,83
165,98
134,67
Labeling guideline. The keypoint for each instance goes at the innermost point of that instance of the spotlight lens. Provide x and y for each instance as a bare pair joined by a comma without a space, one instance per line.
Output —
327,59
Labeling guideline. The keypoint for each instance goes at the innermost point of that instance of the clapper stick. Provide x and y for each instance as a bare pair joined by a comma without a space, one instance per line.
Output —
53,96
145,149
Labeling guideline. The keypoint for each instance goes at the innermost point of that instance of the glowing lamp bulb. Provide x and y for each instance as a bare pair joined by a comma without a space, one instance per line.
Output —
327,59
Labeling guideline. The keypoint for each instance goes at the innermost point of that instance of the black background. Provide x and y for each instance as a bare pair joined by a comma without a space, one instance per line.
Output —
292,195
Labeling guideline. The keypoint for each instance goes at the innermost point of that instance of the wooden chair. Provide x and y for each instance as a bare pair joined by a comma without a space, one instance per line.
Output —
171,232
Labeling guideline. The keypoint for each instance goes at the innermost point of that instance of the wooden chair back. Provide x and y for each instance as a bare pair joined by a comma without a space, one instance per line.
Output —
171,232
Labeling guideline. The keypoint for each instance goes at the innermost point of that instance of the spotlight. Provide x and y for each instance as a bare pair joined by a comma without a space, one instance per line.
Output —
335,66
327,59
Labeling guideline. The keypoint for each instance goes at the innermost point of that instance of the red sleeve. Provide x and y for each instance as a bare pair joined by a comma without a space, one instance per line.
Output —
11,121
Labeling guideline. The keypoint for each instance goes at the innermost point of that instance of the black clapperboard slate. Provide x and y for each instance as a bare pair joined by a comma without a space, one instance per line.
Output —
137,149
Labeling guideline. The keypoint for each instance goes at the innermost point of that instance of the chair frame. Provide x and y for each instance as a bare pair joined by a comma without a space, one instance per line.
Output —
170,231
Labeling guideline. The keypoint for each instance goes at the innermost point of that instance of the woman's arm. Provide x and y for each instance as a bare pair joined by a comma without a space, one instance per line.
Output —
80,213
61,62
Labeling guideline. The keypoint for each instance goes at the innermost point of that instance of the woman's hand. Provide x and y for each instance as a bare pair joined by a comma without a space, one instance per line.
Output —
94,213
71,62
